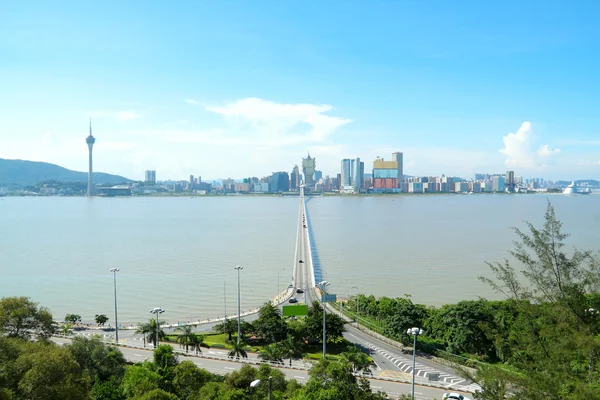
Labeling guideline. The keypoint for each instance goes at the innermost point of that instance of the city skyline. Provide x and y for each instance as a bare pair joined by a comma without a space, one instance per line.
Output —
495,87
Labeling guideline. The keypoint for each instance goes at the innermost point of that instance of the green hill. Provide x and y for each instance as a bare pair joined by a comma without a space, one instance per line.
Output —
21,173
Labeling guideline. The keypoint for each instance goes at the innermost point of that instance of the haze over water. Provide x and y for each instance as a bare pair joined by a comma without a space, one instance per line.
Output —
176,253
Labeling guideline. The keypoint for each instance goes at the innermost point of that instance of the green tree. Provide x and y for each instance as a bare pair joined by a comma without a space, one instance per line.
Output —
335,381
188,379
314,324
555,338
51,372
229,326
238,349
101,319
98,360
270,326
109,390
148,331
273,352
196,343
186,336
210,391
241,379
20,317
359,360
157,394
139,379
292,347
73,318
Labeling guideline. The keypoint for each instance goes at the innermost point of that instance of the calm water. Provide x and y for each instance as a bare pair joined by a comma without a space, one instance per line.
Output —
177,253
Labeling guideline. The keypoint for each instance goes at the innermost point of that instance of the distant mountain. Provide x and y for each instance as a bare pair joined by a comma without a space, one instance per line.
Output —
20,173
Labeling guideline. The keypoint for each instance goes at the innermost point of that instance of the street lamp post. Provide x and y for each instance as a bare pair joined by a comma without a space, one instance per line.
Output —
256,382
415,332
225,296
238,268
156,311
323,285
114,271
357,299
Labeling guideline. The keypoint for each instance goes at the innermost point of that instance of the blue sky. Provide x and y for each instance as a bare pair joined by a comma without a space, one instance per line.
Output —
245,88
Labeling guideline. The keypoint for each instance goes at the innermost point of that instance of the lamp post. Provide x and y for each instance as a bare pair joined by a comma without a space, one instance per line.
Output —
357,299
256,382
225,296
415,332
278,288
156,311
114,271
238,268
323,285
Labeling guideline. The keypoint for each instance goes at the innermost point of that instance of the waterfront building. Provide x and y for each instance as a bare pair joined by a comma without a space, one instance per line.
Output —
385,174
399,158
280,182
295,178
352,174
318,176
150,177
498,183
90,140
242,187
308,169
510,182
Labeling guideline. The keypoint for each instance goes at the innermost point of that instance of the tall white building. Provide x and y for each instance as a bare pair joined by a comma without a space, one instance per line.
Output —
353,173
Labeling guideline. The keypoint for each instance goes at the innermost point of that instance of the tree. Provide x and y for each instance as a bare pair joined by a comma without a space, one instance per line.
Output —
238,349
555,338
101,319
189,379
273,352
148,331
292,347
314,324
269,325
73,318
186,336
335,381
359,360
99,361
139,379
109,390
20,317
51,372
229,326
196,343
157,394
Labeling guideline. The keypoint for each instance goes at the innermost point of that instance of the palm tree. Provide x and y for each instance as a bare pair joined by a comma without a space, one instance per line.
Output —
292,348
196,343
273,352
229,326
359,360
237,349
148,330
186,337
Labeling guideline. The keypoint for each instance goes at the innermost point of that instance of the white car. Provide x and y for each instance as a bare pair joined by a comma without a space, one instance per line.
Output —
454,396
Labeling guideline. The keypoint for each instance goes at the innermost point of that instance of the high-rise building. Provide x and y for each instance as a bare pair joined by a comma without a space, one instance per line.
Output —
150,177
90,140
308,169
280,182
398,157
352,173
295,178
358,175
509,180
318,175
385,174
346,173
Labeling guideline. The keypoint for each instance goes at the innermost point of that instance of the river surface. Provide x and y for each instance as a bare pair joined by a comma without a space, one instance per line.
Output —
178,253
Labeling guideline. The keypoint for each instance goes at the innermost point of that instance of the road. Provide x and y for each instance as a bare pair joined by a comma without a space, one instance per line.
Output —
391,362
222,367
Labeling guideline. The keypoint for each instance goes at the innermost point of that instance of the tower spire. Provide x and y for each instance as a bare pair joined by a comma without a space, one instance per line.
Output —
90,126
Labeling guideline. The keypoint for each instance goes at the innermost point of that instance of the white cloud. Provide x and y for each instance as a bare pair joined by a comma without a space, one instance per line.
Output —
518,149
545,151
282,124
116,115
192,102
